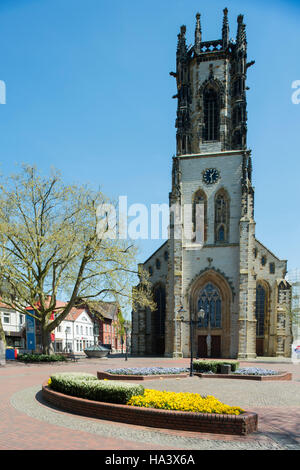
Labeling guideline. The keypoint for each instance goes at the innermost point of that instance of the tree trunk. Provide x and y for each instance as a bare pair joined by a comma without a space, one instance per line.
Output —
47,347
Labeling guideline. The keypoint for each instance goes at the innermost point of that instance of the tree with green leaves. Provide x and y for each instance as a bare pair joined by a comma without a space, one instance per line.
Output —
52,246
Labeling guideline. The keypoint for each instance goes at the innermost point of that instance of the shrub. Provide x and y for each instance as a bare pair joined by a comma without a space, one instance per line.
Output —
148,371
213,366
89,387
41,357
192,402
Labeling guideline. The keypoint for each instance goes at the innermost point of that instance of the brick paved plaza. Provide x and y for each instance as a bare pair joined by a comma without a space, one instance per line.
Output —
26,422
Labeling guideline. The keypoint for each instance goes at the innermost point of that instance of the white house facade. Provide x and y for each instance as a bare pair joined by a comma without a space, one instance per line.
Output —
75,333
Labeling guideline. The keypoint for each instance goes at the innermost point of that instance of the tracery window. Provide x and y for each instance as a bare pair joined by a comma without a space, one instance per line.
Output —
210,301
211,114
221,217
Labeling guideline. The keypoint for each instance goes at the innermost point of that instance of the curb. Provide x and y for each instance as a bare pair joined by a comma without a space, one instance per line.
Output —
243,424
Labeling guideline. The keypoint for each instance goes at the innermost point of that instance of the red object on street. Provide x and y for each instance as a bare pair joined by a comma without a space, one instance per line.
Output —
16,353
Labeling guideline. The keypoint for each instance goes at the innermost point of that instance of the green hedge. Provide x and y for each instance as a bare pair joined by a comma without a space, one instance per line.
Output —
89,387
213,366
41,357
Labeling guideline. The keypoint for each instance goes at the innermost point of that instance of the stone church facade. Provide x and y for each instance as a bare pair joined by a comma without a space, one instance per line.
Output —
221,278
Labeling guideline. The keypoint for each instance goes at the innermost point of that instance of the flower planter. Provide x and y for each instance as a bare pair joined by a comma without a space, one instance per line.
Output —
108,376
242,424
280,376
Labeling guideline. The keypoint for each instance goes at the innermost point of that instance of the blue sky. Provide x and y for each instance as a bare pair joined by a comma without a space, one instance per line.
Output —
89,93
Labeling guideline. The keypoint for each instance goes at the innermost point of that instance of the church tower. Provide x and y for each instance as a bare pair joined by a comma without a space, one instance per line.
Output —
211,84
212,170
215,274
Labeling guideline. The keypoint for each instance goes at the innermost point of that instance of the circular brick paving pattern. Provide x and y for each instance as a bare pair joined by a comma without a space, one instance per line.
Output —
277,404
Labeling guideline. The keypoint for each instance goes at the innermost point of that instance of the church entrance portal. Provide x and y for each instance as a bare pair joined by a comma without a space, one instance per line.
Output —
211,295
215,346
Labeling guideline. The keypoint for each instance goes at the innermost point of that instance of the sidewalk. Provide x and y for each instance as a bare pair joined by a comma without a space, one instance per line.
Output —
26,422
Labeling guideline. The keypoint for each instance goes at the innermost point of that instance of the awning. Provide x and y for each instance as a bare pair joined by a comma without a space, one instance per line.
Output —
16,334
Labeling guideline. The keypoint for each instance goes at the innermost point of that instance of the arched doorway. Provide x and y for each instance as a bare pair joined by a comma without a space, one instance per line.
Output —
211,293
158,320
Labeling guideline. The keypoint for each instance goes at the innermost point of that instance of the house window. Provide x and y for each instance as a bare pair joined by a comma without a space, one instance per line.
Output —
157,264
263,260
272,268
6,318
211,115
21,318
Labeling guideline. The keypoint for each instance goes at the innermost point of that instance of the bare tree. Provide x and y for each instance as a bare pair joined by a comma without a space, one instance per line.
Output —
51,247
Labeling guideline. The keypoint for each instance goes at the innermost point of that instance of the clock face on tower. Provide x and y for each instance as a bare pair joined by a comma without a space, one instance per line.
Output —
211,175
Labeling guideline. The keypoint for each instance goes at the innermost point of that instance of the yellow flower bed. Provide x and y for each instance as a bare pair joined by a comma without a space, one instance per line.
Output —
183,402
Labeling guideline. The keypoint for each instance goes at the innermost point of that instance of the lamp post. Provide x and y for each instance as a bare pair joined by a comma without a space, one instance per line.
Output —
181,313
66,339
191,322
126,350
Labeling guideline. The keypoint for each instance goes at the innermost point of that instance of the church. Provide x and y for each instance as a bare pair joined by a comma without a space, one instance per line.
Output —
218,290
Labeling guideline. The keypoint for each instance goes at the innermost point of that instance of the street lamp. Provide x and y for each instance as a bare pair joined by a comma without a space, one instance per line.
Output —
66,339
126,346
191,322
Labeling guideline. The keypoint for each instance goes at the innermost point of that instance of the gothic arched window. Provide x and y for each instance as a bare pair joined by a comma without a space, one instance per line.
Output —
261,302
221,217
210,301
211,114
158,320
200,216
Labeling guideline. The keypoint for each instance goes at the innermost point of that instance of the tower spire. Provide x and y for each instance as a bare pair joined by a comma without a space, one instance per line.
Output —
225,29
181,47
198,35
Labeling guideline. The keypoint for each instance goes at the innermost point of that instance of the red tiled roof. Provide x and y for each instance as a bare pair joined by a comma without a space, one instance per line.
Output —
74,314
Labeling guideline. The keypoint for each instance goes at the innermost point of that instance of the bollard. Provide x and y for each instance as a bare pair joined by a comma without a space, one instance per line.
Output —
225,368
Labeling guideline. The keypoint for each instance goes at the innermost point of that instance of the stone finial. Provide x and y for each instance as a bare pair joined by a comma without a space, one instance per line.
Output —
241,31
198,35
225,29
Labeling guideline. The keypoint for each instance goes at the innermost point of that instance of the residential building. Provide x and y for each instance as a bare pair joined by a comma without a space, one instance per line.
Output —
13,325
105,315
75,332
